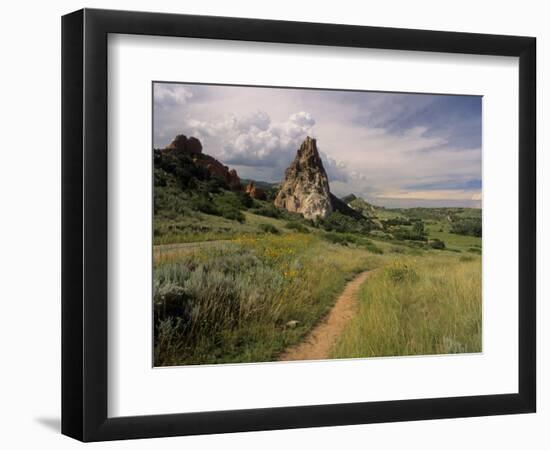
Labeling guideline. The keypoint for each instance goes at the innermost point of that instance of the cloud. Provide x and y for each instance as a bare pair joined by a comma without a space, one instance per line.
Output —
170,95
337,170
254,140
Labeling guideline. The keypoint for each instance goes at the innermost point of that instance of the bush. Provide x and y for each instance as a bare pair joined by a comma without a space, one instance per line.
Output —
233,214
215,185
268,210
244,199
395,221
373,248
437,244
205,205
399,250
475,250
297,227
416,234
159,178
400,273
467,227
344,224
268,228
346,238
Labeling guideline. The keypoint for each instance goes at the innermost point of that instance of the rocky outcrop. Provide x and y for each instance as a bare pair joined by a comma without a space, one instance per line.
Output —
217,169
192,148
342,207
305,189
255,192
183,146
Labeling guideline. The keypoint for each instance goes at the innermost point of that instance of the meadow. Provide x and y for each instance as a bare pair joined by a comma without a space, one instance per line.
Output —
417,306
246,300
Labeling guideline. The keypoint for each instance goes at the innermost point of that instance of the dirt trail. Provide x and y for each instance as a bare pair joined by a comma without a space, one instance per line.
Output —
166,250
318,342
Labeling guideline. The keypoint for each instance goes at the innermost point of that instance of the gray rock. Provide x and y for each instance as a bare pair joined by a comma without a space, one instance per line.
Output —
292,323
305,189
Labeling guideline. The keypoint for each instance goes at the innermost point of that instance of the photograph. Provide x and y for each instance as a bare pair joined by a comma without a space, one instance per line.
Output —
275,225
296,224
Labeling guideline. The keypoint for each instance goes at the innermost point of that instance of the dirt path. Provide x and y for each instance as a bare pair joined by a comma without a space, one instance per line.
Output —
167,250
318,342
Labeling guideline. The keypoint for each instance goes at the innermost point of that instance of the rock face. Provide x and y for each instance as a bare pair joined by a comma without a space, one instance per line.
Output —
255,192
183,146
305,189
192,147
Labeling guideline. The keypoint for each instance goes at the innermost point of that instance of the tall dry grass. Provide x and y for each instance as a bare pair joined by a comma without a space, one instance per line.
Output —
427,305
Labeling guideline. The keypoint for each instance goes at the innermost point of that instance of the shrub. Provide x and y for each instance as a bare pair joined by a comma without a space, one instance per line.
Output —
400,273
244,199
467,227
215,185
475,250
437,244
268,228
159,178
399,250
347,238
416,234
170,300
344,224
229,200
268,210
205,205
372,248
297,227
395,221
233,214
338,238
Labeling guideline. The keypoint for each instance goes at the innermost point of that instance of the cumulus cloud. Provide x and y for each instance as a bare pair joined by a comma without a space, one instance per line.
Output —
337,170
254,139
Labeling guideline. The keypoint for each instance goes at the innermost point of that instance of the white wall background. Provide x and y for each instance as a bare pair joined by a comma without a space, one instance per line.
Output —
30,223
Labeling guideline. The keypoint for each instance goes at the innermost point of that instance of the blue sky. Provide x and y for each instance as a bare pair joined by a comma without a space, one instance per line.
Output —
393,149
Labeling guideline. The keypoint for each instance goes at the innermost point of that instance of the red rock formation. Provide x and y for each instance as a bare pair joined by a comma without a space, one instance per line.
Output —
255,192
192,147
183,146
217,169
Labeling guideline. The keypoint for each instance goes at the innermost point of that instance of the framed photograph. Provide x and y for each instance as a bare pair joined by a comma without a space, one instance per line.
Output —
273,224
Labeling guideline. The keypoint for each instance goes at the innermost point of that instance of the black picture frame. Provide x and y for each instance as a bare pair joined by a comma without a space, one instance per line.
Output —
84,224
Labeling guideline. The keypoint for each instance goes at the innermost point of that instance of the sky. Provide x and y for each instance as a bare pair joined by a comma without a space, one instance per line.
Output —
392,149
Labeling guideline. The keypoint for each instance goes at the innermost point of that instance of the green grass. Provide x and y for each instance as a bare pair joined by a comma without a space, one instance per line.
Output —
231,302
453,241
417,306
198,227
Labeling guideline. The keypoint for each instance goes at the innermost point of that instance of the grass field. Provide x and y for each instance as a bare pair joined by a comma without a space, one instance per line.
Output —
417,306
249,298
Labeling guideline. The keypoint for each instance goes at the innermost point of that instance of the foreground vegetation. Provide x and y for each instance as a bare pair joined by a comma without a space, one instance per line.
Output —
417,306
247,300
